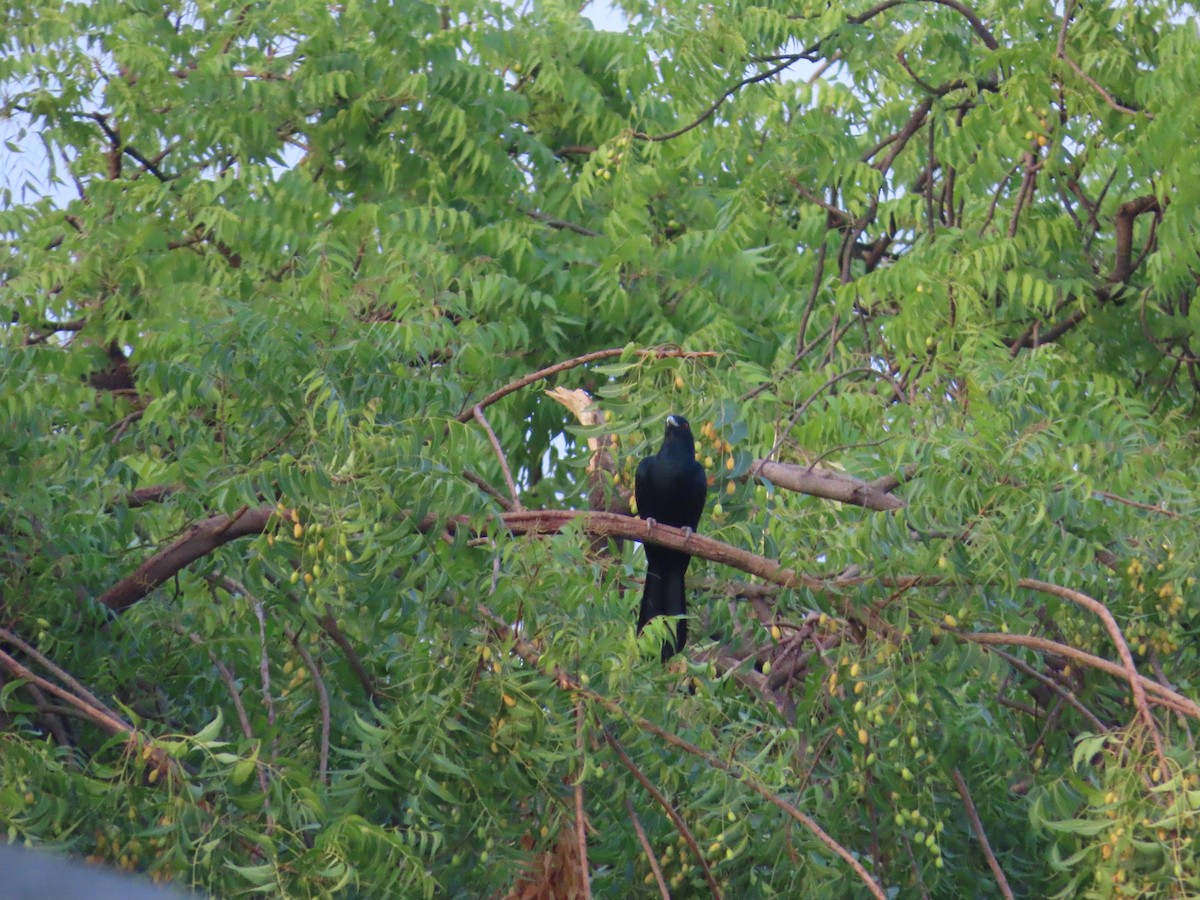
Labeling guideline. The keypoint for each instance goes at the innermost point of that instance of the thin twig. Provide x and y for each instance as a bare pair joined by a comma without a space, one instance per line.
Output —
1061,53
1024,193
650,857
1061,690
243,719
1135,504
1159,693
499,451
830,382
330,626
57,671
560,224
322,703
787,62
977,827
585,878
469,413
483,484
264,671
680,825
810,305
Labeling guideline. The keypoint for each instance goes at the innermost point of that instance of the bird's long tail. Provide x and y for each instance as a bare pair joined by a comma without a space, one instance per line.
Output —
663,596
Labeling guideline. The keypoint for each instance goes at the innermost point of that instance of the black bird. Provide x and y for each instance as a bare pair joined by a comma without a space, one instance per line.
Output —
670,489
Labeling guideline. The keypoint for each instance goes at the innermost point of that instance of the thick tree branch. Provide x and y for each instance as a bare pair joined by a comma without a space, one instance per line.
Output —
817,481
1127,213
201,539
212,533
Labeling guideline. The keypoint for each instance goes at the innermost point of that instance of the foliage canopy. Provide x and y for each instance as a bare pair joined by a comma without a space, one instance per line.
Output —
271,620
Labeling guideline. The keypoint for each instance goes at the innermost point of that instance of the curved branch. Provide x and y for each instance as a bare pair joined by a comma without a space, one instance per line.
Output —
469,413
1162,694
1127,212
788,61
212,533
1114,632
1061,53
976,23
201,539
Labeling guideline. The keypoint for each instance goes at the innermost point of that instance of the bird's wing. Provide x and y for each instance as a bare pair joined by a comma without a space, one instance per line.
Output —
696,496
643,488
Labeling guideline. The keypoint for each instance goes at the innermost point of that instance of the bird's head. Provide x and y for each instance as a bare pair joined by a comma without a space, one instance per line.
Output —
678,439
676,422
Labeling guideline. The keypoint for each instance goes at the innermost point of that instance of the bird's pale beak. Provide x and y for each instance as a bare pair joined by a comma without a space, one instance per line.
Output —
672,422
